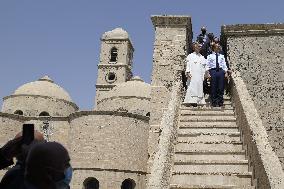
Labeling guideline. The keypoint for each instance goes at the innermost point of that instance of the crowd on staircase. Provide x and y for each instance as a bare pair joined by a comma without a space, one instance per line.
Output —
206,71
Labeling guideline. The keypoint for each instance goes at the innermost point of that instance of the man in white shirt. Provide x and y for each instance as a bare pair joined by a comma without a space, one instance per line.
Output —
216,65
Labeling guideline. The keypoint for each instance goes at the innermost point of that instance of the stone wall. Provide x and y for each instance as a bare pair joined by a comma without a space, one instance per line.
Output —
264,164
257,52
172,37
109,143
108,179
33,105
131,104
58,130
160,173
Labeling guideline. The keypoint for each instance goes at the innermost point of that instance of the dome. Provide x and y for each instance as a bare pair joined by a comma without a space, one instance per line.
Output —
117,33
136,87
43,87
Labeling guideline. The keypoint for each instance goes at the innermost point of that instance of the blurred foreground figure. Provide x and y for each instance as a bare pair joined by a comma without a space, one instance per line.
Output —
48,167
14,177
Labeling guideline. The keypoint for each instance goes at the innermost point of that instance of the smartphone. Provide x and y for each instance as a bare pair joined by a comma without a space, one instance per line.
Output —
28,133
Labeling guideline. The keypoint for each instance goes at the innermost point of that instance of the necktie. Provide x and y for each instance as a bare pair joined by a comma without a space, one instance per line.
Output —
217,63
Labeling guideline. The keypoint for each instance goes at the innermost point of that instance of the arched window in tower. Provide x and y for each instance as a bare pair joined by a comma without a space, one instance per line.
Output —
44,113
128,184
113,55
91,183
19,112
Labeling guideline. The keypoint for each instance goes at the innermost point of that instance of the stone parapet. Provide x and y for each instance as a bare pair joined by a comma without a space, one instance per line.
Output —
29,118
111,113
171,20
267,170
160,173
173,34
260,61
252,30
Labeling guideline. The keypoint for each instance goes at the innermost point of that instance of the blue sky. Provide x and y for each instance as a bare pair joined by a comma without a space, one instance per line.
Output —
61,38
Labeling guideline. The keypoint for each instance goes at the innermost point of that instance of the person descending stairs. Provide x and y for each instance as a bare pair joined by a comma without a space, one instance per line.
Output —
209,152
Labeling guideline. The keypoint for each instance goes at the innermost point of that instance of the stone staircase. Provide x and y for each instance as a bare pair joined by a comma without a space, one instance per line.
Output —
209,151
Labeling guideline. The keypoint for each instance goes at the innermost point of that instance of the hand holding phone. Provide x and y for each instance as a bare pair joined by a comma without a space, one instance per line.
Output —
28,133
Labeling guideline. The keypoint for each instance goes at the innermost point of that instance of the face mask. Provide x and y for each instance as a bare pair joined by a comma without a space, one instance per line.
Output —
68,175
64,184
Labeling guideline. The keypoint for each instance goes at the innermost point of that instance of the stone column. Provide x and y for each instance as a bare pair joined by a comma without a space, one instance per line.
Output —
256,51
172,37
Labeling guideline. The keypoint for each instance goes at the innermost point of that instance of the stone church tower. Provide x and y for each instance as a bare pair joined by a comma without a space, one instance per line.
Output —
115,61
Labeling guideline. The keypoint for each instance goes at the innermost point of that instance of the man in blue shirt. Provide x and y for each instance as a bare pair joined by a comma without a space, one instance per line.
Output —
216,65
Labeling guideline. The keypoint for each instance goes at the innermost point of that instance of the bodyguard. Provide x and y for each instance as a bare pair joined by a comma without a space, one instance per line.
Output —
217,68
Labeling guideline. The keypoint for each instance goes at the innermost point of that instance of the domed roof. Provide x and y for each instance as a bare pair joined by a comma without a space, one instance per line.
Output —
43,87
117,33
136,87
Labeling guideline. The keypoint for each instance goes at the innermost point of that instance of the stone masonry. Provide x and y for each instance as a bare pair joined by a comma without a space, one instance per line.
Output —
257,52
172,37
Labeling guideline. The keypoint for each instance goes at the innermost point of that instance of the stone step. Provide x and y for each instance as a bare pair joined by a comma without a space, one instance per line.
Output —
211,180
217,138
203,146
215,162
210,152
214,130
207,113
192,133
214,186
207,107
207,118
208,168
226,101
183,157
236,142
184,130
208,124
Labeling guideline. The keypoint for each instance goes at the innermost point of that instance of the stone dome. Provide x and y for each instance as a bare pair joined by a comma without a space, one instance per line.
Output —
43,87
117,33
135,87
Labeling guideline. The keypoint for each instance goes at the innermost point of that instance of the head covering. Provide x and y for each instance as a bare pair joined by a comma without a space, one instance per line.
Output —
203,28
46,163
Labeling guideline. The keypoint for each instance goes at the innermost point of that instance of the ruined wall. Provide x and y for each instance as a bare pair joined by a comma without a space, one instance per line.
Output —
257,52
109,143
172,37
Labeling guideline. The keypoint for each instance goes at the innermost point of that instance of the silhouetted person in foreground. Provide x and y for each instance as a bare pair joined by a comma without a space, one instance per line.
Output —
14,177
48,167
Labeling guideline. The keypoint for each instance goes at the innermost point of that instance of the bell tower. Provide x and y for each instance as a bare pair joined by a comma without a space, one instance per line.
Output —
115,64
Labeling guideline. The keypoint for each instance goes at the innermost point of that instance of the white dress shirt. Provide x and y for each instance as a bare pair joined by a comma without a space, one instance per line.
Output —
211,61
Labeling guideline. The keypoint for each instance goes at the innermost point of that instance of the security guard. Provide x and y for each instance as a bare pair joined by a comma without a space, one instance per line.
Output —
216,65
